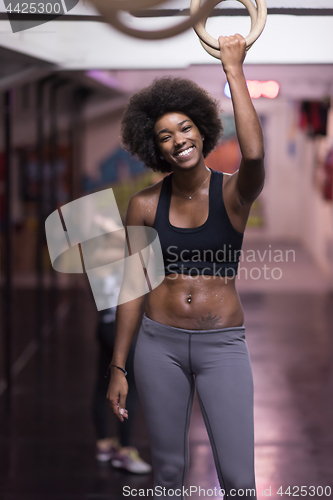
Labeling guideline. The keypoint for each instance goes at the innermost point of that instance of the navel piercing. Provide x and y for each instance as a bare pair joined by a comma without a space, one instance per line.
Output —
189,299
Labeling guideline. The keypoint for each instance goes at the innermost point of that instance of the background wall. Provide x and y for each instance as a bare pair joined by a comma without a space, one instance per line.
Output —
292,201
291,205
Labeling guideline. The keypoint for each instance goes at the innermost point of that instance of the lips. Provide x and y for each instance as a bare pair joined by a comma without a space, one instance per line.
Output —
184,153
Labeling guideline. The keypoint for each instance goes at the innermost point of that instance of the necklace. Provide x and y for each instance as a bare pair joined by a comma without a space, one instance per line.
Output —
190,197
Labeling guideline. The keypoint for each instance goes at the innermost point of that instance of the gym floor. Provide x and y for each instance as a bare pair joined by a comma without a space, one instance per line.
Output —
46,432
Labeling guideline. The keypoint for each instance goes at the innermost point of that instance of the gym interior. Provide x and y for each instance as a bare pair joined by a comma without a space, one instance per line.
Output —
64,86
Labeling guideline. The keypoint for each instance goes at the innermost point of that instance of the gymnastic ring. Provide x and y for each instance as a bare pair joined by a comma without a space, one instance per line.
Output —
216,52
200,30
130,4
112,17
256,30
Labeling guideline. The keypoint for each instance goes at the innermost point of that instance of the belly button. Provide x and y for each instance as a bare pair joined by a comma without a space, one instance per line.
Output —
189,299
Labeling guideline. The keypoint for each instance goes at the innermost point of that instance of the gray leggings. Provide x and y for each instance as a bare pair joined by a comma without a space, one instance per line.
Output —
169,362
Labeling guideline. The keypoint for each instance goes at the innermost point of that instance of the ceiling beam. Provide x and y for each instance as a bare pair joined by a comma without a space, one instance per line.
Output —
166,13
233,12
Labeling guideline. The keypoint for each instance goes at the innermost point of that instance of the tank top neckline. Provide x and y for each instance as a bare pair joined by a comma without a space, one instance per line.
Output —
210,207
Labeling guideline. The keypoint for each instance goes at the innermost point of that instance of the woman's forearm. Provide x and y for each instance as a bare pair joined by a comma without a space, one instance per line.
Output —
248,126
251,173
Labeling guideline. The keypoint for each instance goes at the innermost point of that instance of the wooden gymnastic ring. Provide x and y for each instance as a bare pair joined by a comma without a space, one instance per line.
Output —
216,52
256,29
112,17
200,29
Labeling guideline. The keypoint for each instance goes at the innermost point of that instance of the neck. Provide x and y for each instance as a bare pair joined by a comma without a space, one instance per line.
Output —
189,180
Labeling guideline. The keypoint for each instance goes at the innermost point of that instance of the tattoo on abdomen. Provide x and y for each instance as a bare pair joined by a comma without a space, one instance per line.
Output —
210,322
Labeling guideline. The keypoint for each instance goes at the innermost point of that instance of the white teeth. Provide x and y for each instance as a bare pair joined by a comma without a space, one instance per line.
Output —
186,152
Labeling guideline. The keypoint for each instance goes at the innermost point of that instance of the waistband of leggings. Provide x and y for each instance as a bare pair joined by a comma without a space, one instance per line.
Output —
167,328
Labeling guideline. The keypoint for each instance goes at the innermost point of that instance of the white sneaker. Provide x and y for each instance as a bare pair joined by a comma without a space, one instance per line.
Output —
107,449
128,458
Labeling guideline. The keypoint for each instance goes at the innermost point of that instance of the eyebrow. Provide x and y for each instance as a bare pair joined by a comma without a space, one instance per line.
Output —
167,130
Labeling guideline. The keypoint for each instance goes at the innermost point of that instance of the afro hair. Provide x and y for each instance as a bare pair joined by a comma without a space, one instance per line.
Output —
166,95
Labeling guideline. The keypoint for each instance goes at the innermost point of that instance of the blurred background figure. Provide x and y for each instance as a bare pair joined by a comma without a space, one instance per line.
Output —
108,249
116,448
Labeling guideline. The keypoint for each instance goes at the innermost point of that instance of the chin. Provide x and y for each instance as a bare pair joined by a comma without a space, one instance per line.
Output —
185,166
191,163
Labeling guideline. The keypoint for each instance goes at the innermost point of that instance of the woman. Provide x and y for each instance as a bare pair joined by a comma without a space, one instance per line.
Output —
192,332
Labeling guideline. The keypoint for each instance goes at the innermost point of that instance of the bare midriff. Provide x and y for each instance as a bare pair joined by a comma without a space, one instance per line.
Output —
195,303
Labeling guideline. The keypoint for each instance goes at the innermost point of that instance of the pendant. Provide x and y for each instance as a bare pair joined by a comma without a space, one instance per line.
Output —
190,197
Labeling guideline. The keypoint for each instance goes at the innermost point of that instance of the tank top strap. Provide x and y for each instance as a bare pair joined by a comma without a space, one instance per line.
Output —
216,201
162,211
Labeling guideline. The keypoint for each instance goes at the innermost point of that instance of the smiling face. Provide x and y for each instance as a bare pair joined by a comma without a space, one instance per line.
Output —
179,140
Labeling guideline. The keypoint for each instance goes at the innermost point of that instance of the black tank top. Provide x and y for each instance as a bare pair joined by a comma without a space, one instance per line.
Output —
213,248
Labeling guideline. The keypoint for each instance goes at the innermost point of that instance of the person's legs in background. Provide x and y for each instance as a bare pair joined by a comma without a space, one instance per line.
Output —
117,448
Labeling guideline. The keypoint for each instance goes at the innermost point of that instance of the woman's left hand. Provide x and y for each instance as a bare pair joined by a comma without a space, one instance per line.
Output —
233,51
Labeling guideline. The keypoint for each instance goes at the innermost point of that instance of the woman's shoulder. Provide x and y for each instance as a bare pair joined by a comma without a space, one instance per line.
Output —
224,175
143,204
149,191
148,194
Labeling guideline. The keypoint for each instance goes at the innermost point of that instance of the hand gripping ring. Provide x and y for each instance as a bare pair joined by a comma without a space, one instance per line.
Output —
108,10
258,20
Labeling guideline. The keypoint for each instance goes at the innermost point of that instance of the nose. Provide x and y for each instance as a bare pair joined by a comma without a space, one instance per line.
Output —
179,139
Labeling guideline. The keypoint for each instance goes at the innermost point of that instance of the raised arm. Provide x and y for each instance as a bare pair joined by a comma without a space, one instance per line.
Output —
128,315
249,179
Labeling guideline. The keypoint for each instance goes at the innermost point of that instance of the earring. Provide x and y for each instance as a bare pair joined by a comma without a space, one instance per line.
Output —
161,157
